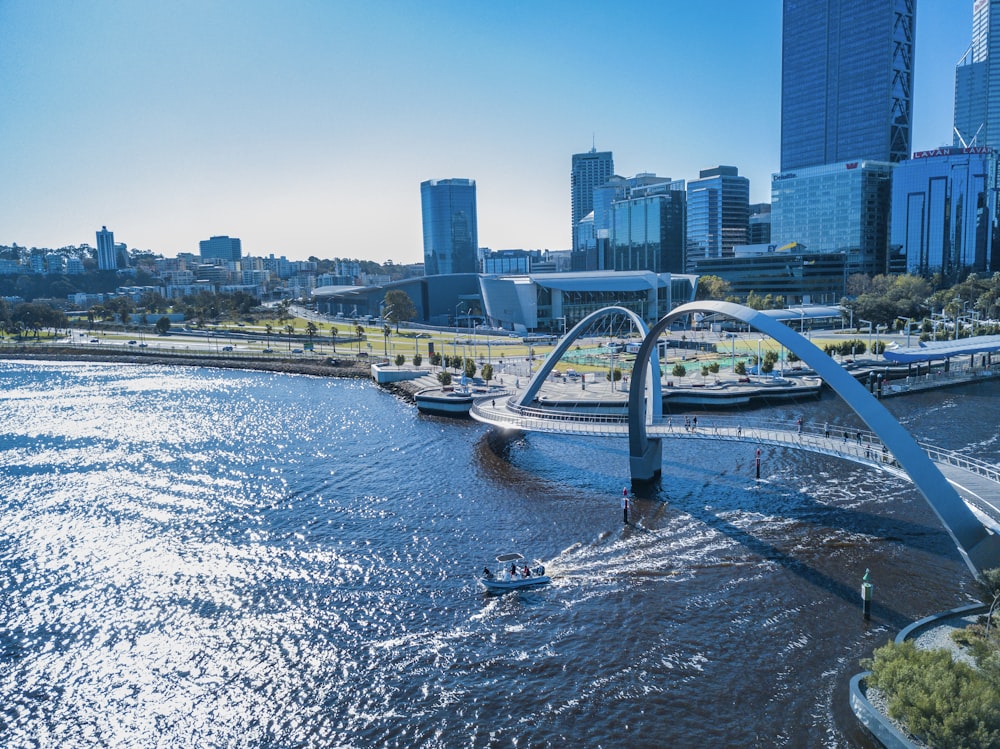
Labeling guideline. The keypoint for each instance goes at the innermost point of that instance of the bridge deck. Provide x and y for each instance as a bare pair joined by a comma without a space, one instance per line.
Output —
976,481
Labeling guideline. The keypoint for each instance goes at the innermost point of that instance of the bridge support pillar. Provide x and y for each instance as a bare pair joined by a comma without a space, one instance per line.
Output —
649,465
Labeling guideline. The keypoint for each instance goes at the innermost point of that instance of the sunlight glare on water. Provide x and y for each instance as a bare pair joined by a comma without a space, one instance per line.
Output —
237,559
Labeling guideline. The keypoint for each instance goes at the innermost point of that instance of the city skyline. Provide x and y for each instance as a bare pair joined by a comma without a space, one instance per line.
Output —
309,132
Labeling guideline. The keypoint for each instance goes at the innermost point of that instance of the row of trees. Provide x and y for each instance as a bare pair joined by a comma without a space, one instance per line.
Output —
31,317
885,299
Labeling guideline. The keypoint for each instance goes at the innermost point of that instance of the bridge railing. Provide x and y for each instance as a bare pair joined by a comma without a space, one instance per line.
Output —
861,445
972,465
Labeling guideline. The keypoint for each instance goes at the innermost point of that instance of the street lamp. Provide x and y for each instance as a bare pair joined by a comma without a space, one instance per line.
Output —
909,322
869,324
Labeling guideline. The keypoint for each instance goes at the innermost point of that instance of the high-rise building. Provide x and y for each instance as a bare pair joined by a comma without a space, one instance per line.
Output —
759,228
647,227
835,208
944,213
451,234
221,248
107,255
846,81
590,170
718,210
977,81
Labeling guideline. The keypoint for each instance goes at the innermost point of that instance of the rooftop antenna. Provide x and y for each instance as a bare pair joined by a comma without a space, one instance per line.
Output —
593,142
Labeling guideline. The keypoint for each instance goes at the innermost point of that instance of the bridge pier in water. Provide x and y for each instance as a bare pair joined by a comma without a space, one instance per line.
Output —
648,465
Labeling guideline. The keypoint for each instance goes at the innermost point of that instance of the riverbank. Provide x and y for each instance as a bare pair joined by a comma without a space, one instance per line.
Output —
307,365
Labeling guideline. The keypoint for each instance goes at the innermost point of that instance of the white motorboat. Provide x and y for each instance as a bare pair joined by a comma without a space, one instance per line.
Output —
512,573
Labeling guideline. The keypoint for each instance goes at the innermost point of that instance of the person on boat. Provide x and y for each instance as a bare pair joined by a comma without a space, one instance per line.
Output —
487,574
526,572
513,569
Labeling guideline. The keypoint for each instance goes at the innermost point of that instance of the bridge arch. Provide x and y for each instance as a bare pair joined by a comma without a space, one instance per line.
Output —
979,547
655,399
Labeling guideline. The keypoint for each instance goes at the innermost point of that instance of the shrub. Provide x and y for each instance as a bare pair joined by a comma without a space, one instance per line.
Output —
944,702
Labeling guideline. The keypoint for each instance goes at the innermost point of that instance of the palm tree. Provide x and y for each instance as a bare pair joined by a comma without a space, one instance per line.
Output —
359,330
311,330
333,337
289,329
268,330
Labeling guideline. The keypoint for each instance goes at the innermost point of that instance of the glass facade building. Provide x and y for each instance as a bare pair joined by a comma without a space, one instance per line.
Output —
451,235
647,230
718,210
846,81
589,171
835,208
221,248
944,213
977,81
798,277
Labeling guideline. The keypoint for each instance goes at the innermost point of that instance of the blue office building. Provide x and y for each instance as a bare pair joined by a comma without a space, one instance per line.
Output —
977,81
221,248
944,213
846,81
718,209
647,227
451,234
835,208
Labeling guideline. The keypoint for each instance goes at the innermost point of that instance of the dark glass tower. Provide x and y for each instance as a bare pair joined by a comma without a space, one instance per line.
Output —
846,81
451,236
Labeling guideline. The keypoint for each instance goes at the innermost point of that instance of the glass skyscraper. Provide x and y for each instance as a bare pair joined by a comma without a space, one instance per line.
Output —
835,208
846,81
977,81
944,212
647,230
718,210
590,170
451,234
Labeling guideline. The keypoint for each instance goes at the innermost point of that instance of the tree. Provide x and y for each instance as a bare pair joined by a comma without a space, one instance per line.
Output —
163,325
470,368
444,377
333,337
400,360
359,331
740,368
289,329
417,360
679,371
311,330
712,287
487,372
399,307
268,330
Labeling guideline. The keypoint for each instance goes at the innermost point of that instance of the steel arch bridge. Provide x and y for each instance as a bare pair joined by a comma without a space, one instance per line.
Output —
978,545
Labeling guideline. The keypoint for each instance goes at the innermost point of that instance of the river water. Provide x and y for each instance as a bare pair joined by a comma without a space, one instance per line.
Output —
205,558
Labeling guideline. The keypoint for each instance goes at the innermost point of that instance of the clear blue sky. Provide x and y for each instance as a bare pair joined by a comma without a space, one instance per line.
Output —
305,127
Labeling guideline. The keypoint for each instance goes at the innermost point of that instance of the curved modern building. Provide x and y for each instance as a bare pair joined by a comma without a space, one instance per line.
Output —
451,233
